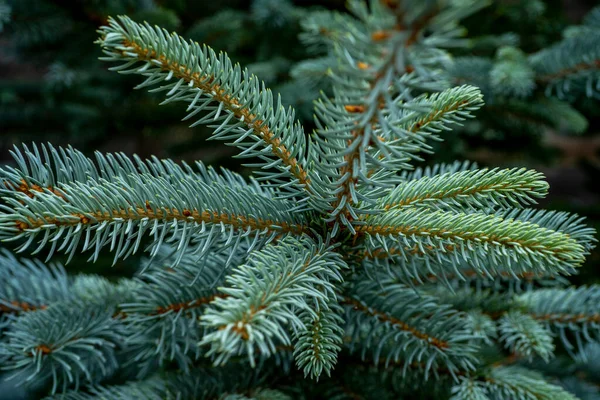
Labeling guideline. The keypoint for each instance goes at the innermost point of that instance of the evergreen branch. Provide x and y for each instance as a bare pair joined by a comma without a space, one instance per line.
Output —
29,285
569,318
201,383
486,241
118,213
571,66
477,189
423,267
472,275
451,106
254,277
517,278
203,77
363,127
401,324
572,310
318,344
167,303
395,322
524,336
153,388
66,346
364,133
138,213
393,138
469,389
563,73
46,168
426,265
520,383
432,114
435,170
560,221
265,296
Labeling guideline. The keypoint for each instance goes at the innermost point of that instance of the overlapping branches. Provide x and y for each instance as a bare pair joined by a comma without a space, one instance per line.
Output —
167,303
257,276
71,342
117,213
573,313
238,106
29,285
46,168
398,324
373,125
265,297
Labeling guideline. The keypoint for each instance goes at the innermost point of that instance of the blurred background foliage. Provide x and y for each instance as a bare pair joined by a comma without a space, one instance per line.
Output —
54,89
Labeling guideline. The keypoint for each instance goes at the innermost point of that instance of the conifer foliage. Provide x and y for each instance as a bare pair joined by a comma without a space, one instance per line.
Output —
337,271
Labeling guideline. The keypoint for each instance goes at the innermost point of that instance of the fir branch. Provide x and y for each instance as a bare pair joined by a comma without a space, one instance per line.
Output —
318,344
560,221
46,168
200,72
346,197
524,336
476,189
572,310
420,264
563,73
416,272
395,322
571,66
118,213
449,107
29,285
520,383
486,241
167,303
434,170
382,314
265,296
66,346
363,128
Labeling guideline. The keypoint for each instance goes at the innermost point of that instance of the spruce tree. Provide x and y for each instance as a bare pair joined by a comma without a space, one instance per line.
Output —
338,270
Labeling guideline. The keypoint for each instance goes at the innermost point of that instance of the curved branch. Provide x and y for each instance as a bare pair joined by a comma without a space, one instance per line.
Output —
201,72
